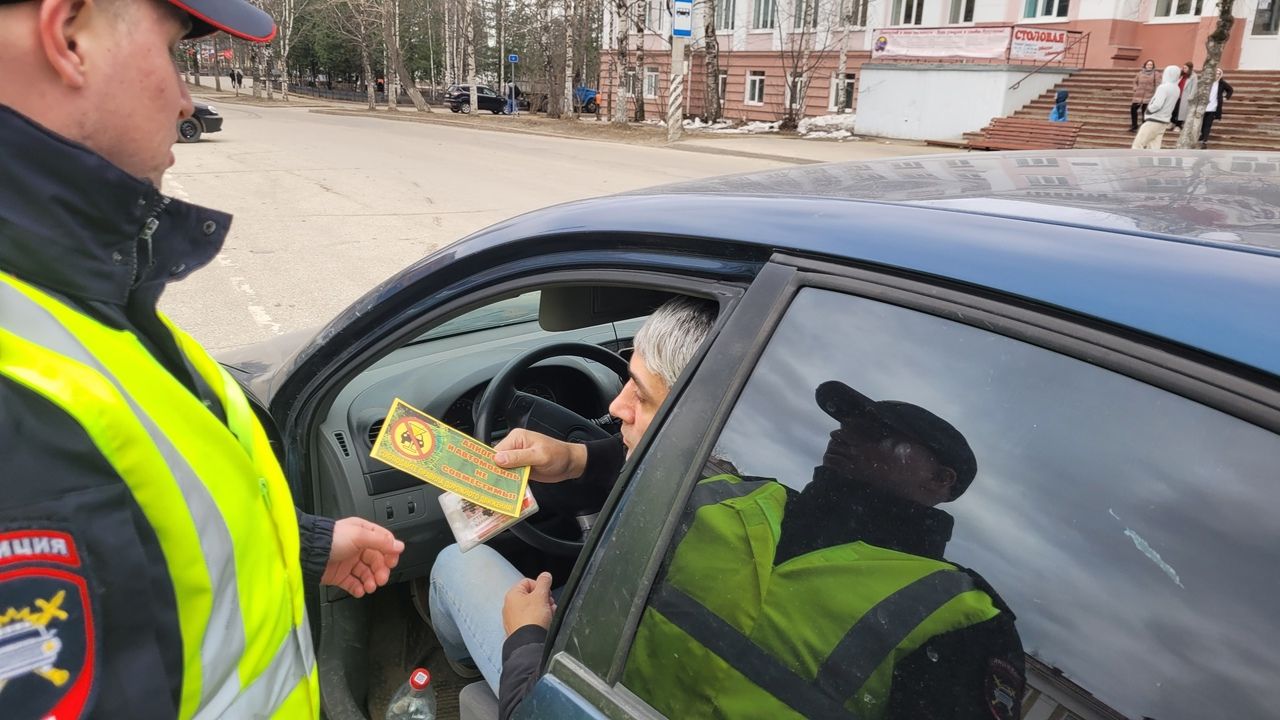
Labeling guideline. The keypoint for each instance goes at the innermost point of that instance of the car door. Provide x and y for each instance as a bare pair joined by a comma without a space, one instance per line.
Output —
1121,521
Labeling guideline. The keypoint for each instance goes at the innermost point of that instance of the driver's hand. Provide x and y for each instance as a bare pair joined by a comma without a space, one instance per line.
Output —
528,602
549,460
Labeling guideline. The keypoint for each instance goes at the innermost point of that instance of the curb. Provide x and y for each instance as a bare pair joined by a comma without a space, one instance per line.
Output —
418,118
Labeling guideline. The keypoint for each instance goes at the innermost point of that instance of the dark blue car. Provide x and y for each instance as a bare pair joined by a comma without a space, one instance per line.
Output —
1103,328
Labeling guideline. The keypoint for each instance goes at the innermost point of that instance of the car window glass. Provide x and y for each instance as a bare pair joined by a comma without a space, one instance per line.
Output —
520,309
1129,530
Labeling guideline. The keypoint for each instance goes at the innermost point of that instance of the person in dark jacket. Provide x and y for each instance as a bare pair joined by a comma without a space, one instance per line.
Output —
89,101
1219,92
1059,111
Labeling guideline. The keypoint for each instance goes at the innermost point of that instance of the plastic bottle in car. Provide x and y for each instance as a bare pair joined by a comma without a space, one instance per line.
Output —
415,700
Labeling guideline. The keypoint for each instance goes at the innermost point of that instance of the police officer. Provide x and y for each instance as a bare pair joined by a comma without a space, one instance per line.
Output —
834,602
152,562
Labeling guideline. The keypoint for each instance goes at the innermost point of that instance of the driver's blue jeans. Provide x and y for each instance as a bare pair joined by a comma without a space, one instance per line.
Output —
467,591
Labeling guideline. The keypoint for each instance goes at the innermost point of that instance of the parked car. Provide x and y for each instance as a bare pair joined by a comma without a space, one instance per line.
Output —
1100,326
205,119
458,98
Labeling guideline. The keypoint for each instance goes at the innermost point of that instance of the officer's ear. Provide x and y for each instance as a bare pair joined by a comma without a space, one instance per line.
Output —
67,28
942,484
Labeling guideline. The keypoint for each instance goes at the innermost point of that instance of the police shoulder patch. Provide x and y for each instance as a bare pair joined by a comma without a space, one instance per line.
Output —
46,625
1004,690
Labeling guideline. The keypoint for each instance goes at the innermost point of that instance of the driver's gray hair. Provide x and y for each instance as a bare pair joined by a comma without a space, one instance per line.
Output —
672,334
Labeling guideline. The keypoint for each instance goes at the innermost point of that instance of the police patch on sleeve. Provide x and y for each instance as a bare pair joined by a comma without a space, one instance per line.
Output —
46,626
1004,690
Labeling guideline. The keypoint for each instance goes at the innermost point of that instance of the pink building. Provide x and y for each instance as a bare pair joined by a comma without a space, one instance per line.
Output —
764,43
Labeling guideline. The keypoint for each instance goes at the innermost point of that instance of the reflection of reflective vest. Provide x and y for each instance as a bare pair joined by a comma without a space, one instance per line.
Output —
214,494
728,635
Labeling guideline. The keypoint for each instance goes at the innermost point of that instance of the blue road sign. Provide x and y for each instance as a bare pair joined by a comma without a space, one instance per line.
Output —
513,58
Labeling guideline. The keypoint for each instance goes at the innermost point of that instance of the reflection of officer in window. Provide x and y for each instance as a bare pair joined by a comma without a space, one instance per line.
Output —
834,601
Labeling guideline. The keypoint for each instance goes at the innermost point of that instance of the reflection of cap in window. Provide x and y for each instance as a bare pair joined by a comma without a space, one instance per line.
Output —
947,443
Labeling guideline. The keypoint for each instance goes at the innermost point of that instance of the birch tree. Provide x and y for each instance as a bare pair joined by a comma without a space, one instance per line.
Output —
391,38
621,10
359,22
570,97
1213,45
714,104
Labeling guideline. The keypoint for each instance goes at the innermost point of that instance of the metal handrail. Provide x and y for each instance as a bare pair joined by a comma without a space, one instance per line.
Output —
1084,37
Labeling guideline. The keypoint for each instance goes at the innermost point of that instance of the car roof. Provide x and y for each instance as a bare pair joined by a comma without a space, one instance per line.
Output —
1181,246
1219,196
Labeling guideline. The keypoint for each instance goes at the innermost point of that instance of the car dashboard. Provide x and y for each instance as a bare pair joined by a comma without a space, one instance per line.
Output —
445,378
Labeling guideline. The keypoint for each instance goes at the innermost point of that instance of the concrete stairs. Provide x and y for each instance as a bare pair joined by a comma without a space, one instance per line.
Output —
1100,99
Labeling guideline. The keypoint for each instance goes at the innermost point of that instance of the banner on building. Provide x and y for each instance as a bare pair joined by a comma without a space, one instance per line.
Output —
971,42
1040,44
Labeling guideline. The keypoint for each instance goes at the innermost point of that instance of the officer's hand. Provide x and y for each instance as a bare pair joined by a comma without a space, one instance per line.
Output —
528,603
362,556
549,460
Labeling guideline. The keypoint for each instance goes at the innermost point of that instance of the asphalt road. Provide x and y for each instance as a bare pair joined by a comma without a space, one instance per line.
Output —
326,207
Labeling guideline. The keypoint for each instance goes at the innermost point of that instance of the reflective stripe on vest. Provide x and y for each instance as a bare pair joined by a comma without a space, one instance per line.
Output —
837,662
233,563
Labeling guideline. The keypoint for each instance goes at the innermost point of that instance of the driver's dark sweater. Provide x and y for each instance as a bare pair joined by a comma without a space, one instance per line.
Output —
948,677
71,224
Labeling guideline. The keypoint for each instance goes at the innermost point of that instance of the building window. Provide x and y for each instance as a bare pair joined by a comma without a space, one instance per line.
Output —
725,10
1170,8
836,103
755,88
797,86
806,15
909,12
723,85
857,14
1266,21
1038,162
764,14
1050,8
656,9
1047,180
961,11
651,82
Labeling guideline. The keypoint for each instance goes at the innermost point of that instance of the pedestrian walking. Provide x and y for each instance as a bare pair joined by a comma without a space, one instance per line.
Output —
1144,86
1059,111
146,528
1219,92
1159,112
239,79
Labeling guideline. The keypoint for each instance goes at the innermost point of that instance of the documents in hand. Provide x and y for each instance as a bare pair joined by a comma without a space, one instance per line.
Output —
426,448
472,524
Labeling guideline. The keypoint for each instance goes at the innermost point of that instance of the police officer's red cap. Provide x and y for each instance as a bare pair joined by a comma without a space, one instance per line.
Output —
234,17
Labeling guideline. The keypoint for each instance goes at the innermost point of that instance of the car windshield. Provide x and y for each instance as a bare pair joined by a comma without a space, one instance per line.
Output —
519,309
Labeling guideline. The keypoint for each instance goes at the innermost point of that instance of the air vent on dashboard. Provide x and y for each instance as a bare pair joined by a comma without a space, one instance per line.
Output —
374,429
342,443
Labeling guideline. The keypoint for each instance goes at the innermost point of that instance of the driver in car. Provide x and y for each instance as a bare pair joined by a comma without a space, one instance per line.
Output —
469,614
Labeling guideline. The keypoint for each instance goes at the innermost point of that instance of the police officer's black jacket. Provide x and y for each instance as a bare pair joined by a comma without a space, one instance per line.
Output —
73,224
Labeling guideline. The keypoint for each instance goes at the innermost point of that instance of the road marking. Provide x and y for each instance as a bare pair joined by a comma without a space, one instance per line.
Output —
174,188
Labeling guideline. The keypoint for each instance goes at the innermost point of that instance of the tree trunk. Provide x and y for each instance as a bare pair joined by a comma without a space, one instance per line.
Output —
217,65
265,71
397,60
366,61
622,28
842,67
471,53
711,65
1190,135
448,44
570,104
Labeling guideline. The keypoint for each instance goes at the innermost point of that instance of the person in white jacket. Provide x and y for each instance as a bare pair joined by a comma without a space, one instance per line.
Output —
1159,111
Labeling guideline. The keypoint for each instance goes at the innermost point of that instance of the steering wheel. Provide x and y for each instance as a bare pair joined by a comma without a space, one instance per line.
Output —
538,414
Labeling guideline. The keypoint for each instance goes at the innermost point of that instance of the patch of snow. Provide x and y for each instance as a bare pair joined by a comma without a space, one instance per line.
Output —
826,124
752,128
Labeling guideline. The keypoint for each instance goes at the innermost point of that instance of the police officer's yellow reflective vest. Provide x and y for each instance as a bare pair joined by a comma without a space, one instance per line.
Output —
728,635
214,494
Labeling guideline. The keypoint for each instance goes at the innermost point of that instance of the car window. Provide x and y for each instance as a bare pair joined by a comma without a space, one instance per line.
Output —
1111,556
519,309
